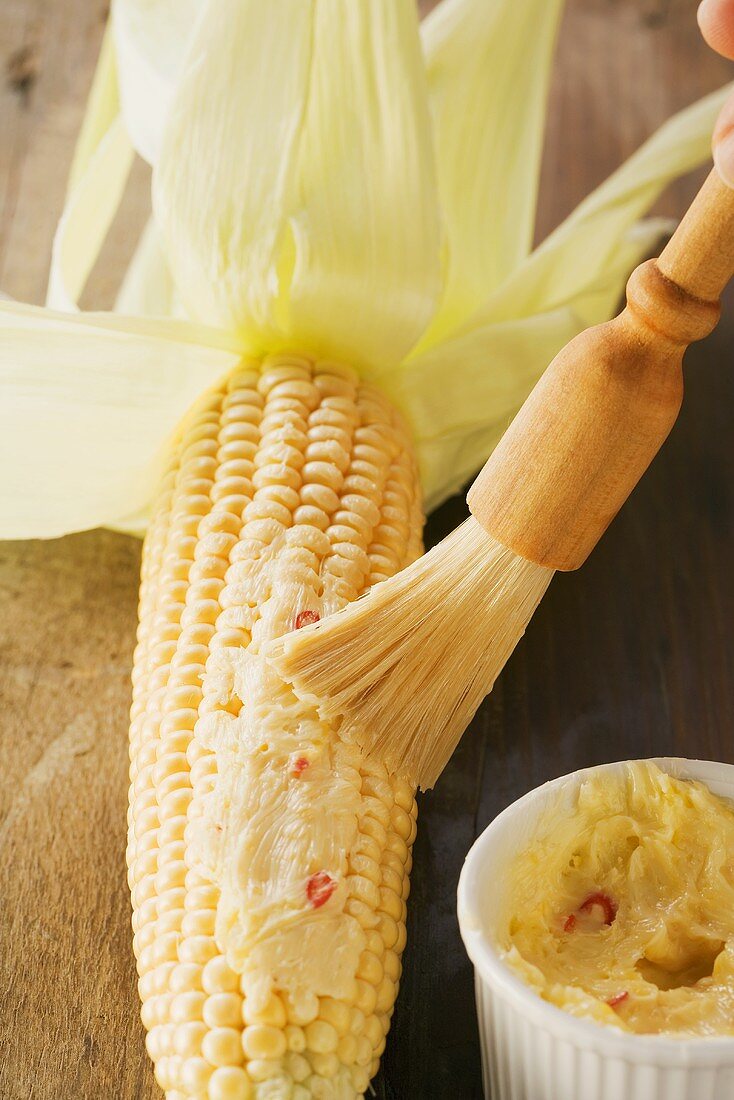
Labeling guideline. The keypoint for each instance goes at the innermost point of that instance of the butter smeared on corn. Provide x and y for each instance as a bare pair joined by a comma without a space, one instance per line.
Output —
268,860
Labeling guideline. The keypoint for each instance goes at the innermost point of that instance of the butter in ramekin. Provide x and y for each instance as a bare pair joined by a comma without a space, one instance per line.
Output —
621,909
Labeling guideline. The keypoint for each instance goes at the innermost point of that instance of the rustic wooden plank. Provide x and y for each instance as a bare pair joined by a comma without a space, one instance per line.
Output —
622,67
40,119
631,656
69,1023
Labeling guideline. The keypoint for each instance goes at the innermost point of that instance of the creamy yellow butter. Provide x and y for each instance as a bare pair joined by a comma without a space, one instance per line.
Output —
622,907
262,837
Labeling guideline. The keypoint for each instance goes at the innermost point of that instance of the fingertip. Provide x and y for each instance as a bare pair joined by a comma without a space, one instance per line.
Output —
716,20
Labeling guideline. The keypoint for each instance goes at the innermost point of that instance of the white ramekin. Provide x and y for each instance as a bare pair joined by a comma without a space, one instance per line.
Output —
532,1050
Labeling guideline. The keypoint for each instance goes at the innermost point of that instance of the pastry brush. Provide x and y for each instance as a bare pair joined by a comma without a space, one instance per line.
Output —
404,668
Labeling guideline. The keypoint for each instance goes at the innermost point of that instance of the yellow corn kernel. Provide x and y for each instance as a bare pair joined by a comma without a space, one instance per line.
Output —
295,1038
265,1069
264,1041
347,1050
222,1046
230,1083
325,1065
335,1013
273,1013
222,1010
218,977
195,1075
188,1038
297,1066
187,1006
321,1037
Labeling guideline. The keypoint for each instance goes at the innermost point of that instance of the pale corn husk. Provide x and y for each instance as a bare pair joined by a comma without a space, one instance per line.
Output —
446,307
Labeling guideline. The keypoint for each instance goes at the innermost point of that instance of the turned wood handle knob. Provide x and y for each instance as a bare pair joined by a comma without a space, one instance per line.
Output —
605,405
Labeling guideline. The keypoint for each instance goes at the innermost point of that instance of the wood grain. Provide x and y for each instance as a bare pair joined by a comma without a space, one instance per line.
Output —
631,656
69,1025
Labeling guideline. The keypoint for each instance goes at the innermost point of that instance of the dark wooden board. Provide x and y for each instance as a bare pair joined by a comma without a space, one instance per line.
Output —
632,656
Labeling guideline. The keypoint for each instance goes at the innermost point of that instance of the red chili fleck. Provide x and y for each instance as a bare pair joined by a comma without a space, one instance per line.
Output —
319,888
299,766
604,902
569,923
306,618
617,999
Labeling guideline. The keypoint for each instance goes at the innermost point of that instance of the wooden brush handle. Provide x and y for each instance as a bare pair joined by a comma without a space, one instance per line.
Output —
602,409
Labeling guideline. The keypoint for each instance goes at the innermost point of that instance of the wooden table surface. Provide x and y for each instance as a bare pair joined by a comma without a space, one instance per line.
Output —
632,656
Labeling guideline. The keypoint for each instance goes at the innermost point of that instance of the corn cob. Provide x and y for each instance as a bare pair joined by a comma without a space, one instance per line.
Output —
292,489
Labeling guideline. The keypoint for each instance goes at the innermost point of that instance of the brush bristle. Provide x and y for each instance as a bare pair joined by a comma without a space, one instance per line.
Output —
406,666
